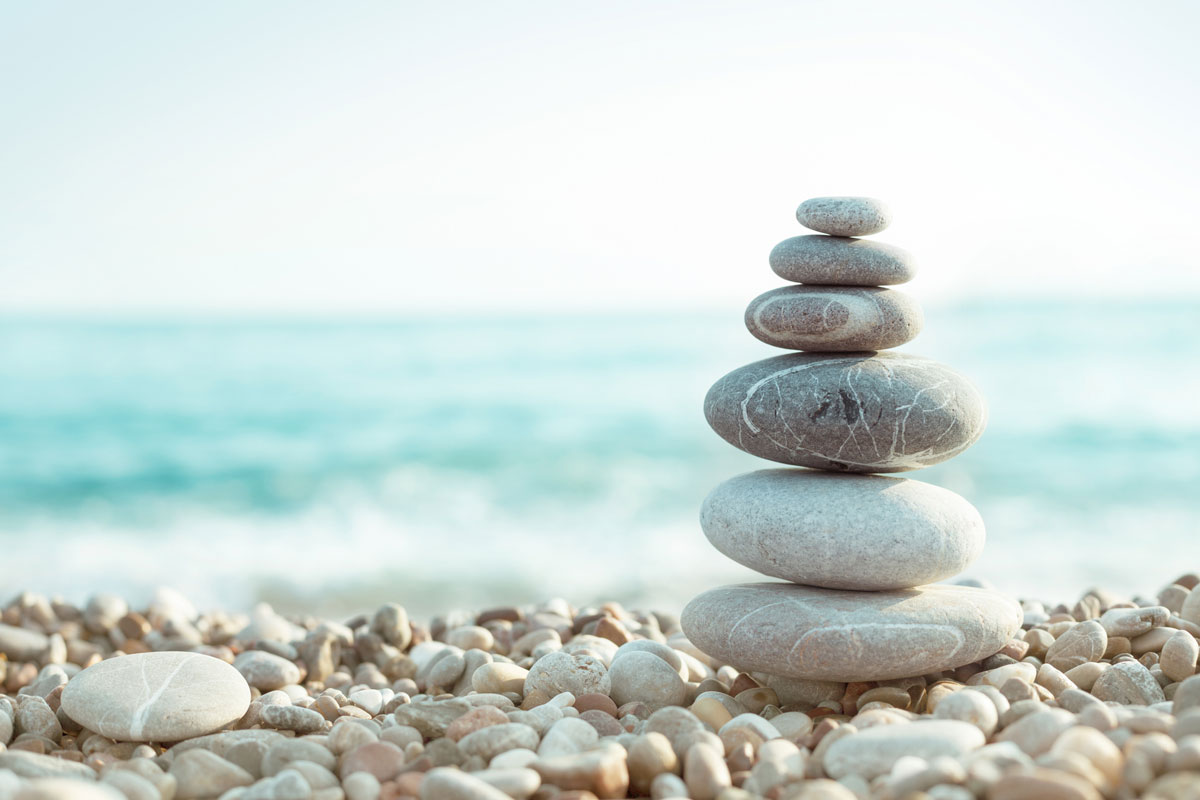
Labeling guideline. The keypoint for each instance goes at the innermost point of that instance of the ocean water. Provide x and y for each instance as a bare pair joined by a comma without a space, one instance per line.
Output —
327,465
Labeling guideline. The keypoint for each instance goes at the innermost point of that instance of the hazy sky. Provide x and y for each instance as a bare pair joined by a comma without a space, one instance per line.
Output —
547,155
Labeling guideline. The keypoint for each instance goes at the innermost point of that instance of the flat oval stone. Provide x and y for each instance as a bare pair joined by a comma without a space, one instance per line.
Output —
835,261
828,634
834,318
844,216
859,412
156,697
863,532
874,751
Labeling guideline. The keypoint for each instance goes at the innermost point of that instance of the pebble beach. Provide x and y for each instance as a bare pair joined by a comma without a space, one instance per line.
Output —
1095,697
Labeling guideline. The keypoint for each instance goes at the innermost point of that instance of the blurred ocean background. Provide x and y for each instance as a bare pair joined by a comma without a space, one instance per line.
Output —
329,464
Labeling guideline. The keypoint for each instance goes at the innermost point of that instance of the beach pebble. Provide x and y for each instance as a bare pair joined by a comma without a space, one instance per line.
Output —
834,318
361,786
1042,784
499,677
969,706
1128,683
283,752
1179,656
644,676
447,783
131,784
162,697
518,783
650,755
562,672
1131,622
1080,644
705,772
826,634
874,751
489,742
266,671
844,216
36,765
838,261
565,737
103,611
202,774
1036,732
64,789
382,759
864,532
863,412
293,718
668,785
431,718
602,771
21,644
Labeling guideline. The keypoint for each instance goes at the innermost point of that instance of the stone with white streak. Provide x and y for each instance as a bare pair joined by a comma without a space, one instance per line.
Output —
865,532
860,412
827,634
162,697
834,318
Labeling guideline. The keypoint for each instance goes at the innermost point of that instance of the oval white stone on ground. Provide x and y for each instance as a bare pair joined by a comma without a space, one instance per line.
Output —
834,318
844,216
873,751
829,634
838,261
865,532
861,412
160,697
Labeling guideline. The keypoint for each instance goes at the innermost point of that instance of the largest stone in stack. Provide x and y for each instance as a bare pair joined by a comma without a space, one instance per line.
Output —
857,548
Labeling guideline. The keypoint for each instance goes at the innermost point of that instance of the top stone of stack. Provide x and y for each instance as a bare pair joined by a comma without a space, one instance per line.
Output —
844,216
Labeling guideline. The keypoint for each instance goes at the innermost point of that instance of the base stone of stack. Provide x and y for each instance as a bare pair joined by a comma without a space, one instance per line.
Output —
857,412
865,532
826,634
834,318
838,261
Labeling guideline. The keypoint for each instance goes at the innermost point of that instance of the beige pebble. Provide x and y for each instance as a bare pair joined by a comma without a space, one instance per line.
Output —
1080,644
448,783
643,676
202,774
1179,656
1085,675
705,772
666,786
1151,641
711,712
1131,622
1042,784
1054,680
650,755
602,771
1035,733
499,677
361,786
1128,683
489,742
969,706
1095,747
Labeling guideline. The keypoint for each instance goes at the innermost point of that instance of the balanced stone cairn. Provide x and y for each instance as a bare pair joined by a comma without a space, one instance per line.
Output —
857,548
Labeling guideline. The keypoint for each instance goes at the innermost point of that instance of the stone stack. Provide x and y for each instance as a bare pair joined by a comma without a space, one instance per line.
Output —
857,548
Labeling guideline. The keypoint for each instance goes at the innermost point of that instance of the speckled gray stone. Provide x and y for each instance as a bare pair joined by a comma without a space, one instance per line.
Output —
863,532
844,216
160,697
828,634
856,412
834,318
837,261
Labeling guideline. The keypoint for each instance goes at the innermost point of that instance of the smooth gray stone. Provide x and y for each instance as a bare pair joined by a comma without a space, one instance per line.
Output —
854,412
834,318
863,532
837,261
834,635
22,644
156,697
844,216
874,751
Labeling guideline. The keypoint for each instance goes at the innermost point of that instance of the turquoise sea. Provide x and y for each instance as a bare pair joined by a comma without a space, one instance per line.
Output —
329,464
